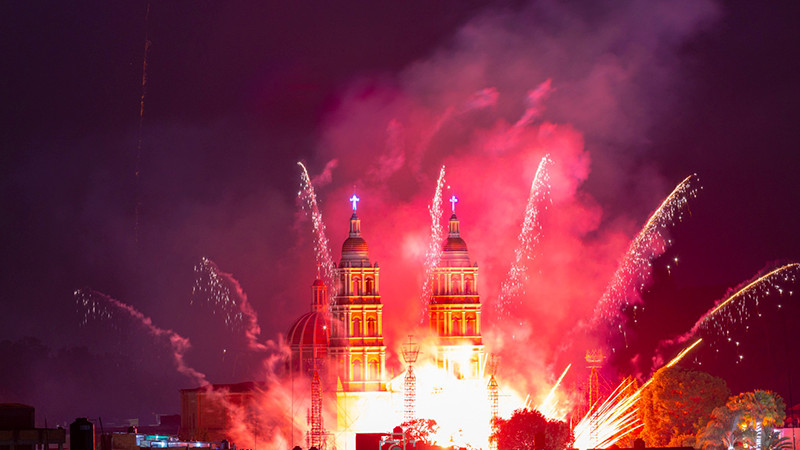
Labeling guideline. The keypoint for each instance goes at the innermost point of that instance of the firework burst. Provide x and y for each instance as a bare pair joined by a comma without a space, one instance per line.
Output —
529,235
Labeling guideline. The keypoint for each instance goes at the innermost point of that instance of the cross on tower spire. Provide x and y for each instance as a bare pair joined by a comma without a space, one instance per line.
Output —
453,201
355,201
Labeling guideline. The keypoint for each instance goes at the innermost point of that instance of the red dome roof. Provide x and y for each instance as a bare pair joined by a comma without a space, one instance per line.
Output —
354,244
455,244
311,329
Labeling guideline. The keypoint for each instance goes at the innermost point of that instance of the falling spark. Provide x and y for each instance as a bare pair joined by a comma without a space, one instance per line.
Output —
322,249
95,304
617,416
434,253
636,266
215,286
549,406
528,238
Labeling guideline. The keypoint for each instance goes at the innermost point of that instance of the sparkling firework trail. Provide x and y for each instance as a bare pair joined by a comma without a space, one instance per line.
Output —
549,406
96,304
528,238
636,266
322,249
434,253
215,286
210,287
718,318
617,416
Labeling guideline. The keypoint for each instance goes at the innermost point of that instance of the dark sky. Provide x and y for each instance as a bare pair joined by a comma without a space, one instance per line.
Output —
378,95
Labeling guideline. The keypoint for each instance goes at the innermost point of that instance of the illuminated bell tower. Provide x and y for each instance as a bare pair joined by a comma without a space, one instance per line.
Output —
455,308
357,337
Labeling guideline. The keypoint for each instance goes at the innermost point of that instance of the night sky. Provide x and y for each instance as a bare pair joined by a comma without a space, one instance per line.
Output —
628,98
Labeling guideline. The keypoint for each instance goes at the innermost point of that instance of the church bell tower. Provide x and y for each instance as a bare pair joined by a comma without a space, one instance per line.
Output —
356,345
455,308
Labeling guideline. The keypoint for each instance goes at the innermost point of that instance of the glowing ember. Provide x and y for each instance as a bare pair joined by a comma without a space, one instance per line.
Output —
528,238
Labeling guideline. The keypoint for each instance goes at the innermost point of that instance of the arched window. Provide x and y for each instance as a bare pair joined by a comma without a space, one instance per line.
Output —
371,329
342,285
469,285
369,285
456,327
470,325
374,369
356,327
455,283
440,323
356,286
442,285
358,371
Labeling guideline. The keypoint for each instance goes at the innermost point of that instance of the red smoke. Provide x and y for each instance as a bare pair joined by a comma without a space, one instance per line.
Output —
489,107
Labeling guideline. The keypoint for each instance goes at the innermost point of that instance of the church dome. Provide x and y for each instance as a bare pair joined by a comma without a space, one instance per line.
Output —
455,244
455,249
311,329
355,244
355,252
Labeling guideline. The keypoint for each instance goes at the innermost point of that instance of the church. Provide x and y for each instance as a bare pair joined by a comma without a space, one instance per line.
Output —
340,344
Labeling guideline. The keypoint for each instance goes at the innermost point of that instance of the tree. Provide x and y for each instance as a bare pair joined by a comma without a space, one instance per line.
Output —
772,439
677,403
758,409
721,431
420,430
520,430
741,421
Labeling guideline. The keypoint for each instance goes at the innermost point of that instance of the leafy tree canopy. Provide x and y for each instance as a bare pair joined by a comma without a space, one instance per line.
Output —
677,403
735,423
520,430
421,430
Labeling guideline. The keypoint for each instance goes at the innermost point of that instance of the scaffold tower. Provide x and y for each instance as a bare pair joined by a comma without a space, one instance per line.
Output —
410,354
594,360
494,395
316,435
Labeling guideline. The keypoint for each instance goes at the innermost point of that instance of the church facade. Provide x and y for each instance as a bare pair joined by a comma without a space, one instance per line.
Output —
342,339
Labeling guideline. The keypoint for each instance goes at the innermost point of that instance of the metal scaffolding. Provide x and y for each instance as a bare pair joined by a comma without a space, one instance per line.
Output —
410,354
316,435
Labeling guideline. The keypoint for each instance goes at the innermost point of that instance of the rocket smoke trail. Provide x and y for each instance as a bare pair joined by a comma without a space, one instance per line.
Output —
634,270
528,238
217,285
180,345
147,43
434,254
322,249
